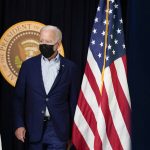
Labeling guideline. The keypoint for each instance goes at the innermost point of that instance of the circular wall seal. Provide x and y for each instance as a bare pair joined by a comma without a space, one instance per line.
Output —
18,43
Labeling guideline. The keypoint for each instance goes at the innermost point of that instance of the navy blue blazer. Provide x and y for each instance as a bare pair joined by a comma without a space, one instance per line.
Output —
30,98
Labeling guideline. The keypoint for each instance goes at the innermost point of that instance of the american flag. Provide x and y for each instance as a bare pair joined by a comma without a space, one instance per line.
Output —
102,117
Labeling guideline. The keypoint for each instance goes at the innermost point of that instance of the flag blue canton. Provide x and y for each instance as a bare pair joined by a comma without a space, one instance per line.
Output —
115,40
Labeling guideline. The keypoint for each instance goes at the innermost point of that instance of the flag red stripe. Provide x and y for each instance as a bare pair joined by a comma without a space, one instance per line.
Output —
87,112
92,82
110,129
121,98
90,118
76,137
124,59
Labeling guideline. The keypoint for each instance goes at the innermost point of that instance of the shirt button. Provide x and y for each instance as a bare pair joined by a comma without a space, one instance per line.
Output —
42,111
47,99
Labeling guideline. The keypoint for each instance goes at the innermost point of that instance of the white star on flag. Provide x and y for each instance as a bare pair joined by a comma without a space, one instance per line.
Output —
99,55
101,44
93,42
94,31
96,20
109,46
124,46
116,41
103,33
119,31
116,6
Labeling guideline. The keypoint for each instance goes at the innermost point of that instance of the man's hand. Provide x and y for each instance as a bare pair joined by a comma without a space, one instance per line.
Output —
69,143
20,133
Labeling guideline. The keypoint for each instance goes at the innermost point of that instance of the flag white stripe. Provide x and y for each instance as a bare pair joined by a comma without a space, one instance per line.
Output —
115,111
89,95
122,78
84,128
94,67
101,126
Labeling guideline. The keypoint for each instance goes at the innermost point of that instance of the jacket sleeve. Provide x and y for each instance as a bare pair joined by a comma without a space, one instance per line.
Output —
19,98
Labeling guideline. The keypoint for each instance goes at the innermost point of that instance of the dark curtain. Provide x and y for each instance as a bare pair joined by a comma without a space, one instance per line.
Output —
138,32
75,19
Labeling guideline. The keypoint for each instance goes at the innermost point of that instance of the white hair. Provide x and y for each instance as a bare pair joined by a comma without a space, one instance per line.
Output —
54,28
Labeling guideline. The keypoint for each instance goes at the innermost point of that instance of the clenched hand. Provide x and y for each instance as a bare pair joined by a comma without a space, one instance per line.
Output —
20,133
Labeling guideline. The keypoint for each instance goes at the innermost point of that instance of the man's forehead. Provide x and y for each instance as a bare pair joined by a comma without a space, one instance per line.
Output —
48,35
50,31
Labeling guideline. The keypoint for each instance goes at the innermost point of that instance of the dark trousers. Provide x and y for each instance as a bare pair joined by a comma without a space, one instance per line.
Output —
50,140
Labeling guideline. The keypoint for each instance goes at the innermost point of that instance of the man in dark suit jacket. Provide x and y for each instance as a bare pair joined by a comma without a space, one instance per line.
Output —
46,95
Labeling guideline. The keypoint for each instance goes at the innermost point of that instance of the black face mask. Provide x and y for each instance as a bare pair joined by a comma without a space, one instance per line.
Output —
46,50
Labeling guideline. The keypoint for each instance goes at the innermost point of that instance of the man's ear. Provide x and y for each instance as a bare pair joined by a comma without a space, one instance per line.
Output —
58,45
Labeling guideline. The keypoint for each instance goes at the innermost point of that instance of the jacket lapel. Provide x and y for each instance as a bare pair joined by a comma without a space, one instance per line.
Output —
39,74
61,71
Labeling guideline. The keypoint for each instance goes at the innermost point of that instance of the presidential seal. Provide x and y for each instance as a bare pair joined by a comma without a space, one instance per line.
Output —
20,42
